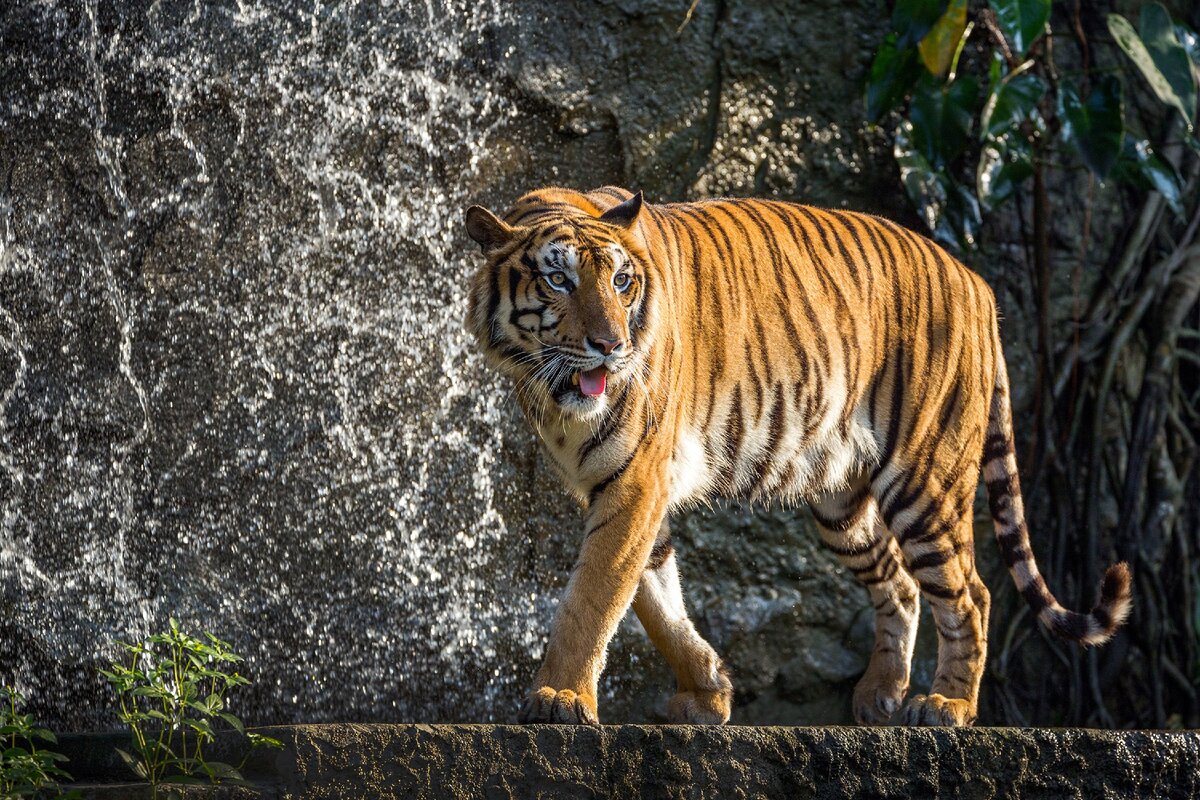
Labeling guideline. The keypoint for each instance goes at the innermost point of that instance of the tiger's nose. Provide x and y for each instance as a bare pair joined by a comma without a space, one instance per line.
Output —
606,346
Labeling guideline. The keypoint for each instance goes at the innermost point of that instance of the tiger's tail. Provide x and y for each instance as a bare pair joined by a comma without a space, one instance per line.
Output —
1008,514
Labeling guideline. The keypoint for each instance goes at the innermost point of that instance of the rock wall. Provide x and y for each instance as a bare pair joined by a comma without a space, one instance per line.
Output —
234,385
560,761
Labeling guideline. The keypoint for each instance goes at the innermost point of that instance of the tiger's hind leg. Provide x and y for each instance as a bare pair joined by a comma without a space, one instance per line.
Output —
935,533
850,526
705,694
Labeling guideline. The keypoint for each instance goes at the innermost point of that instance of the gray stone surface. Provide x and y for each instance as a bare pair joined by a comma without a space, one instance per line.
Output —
233,381
637,761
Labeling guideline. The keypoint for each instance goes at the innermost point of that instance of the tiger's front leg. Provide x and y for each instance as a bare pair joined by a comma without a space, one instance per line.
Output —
705,694
624,516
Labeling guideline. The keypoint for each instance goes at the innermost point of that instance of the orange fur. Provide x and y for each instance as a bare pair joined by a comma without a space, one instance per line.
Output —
762,350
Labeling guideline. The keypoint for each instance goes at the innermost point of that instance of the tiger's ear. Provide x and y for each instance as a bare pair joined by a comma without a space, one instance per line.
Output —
626,214
489,231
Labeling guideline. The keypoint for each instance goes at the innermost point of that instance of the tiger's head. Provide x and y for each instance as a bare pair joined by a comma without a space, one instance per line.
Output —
562,302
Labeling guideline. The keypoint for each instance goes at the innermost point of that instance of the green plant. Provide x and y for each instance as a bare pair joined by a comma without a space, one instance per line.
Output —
172,692
27,770
1029,112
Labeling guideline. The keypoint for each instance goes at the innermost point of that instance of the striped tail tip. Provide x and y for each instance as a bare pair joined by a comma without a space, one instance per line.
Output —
1097,626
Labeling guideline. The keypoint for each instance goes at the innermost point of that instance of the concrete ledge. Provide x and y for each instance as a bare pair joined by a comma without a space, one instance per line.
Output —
414,762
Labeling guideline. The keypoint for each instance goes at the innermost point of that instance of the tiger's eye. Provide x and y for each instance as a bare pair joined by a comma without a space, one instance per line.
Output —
557,279
621,281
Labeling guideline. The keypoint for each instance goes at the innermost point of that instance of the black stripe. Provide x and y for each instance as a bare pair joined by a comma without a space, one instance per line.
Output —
735,266
851,221
592,529
1071,625
705,225
617,194
1015,554
892,567
933,532
855,506
762,470
934,558
734,431
995,447
599,488
821,341
663,549
755,382
943,592
855,550
1036,595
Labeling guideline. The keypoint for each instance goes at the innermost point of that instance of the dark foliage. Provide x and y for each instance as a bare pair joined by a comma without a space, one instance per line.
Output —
1003,117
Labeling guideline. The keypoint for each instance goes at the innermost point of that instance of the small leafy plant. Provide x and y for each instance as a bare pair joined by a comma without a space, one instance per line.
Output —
1025,111
172,692
26,769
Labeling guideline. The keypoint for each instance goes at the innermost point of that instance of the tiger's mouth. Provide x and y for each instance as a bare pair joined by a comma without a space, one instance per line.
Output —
583,391
590,383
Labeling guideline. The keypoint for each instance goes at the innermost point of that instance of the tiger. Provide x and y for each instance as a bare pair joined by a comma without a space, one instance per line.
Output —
755,349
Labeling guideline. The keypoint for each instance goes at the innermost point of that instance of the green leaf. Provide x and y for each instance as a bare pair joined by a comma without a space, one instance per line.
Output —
1014,100
912,19
1022,21
201,727
1171,58
1160,58
233,722
223,770
1191,43
921,183
258,740
134,764
948,209
942,117
938,46
1005,162
44,734
1095,127
963,217
1141,166
893,73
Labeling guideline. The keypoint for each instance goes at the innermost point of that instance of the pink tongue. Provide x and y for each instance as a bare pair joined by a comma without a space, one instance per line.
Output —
591,383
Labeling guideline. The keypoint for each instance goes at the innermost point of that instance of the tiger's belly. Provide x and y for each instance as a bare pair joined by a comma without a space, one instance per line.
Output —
792,460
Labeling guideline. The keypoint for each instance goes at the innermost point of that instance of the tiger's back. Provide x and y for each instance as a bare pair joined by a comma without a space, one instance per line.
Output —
803,330
779,352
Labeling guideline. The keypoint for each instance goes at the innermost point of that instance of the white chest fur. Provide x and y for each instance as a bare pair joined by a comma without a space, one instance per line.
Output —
691,472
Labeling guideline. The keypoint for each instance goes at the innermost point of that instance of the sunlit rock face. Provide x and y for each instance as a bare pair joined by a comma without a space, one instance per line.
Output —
234,383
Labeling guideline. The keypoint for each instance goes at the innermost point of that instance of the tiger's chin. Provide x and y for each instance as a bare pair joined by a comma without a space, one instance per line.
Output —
581,406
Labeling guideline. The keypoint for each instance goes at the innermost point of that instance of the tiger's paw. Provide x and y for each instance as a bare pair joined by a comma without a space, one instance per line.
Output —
936,709
876,700
700,707
558,706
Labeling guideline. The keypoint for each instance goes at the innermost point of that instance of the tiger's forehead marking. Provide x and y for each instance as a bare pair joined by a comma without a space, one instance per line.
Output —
560,255
618,255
